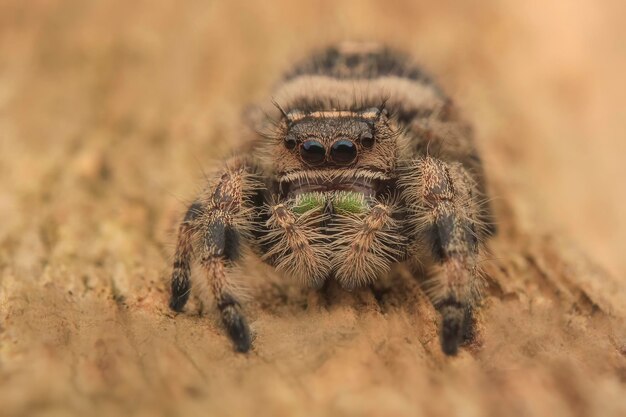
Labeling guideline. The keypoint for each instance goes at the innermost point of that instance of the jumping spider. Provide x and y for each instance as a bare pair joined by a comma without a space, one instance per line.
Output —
364,163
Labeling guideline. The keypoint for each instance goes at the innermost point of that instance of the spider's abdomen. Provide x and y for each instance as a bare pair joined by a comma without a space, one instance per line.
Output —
350,61
359,76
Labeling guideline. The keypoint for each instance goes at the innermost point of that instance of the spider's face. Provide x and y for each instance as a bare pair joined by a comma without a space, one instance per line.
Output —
329,150
332,142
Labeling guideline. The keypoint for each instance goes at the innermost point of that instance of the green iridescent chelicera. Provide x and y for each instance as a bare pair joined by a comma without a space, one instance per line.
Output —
344,202
349,202
309,201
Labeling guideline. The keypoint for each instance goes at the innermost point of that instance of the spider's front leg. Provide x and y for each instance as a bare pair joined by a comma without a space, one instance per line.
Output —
295,246
444,221
211,232
367,245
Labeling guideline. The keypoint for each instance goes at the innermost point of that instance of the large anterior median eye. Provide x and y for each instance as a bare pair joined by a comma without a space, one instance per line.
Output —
312,152
343,151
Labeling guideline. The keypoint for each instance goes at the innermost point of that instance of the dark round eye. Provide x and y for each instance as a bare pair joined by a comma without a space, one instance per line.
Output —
312,152
367,139
343,151
290,142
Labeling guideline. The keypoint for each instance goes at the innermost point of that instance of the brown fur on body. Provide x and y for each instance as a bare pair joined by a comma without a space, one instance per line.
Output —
360,119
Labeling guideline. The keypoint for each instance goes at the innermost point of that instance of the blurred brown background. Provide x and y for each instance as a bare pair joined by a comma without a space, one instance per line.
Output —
110,111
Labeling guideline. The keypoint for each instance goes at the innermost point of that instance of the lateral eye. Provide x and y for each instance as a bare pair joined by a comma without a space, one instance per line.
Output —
290,142
312,152
367,139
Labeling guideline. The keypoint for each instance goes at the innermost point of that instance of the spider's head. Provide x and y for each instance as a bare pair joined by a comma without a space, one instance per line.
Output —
327,150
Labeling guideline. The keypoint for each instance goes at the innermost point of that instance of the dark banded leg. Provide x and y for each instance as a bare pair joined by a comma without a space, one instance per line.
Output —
445,214
221,248
181,271
230,310
211,230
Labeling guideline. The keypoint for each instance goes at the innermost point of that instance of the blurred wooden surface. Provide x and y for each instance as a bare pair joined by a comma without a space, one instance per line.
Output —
109,113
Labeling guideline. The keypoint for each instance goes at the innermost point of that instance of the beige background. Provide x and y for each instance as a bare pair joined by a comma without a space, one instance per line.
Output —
110,112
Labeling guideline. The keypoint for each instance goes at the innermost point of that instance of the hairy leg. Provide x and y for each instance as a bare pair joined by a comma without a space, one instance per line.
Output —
212,232
444,219
366,246
181,270
295,245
